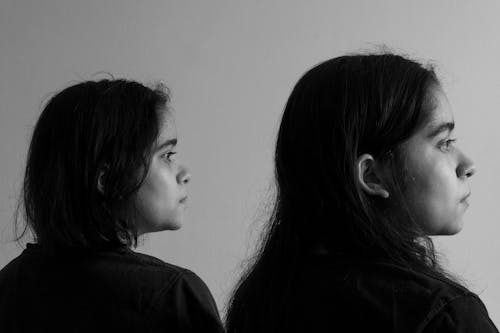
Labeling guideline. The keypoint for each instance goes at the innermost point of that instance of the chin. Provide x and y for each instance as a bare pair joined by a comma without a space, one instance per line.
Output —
173,224
448,232
176,226
168,226
451,229
165,227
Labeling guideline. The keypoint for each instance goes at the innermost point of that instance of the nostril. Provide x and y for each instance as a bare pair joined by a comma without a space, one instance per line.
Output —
186,179
184,176
470,172
466,171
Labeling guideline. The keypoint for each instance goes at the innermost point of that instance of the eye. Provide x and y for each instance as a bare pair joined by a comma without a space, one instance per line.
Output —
168,156
447,144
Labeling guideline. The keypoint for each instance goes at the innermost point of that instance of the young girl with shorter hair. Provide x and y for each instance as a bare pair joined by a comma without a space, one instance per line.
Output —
101,171
367,169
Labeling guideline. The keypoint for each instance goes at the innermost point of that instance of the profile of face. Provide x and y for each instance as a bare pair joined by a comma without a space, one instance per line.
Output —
438,172
160,202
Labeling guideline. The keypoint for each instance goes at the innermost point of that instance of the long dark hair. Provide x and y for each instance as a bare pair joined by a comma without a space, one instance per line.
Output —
338,110
89,153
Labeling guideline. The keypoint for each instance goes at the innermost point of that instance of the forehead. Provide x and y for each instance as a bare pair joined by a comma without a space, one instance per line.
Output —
441,109
167,129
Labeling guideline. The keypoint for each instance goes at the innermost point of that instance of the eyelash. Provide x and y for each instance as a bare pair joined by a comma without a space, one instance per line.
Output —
446,144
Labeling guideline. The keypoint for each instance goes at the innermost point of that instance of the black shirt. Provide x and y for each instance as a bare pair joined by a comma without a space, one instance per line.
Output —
114,291
333,296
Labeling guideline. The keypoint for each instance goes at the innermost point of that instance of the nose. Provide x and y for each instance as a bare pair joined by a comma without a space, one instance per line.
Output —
466,168
183,177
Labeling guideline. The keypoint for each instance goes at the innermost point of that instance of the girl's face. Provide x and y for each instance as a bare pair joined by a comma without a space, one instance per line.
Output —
438,173
161,200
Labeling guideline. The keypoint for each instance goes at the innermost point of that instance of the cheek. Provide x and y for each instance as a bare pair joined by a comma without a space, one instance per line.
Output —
159,189
432,195
156,204
440,181
430,173
156,193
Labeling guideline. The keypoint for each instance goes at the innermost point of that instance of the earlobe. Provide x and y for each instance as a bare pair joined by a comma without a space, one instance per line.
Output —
367,177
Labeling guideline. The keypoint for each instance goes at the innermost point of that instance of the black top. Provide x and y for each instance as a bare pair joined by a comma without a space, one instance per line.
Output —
330,296
114,291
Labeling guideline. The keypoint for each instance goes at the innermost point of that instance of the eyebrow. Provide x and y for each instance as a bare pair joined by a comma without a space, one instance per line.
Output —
171,142
443,127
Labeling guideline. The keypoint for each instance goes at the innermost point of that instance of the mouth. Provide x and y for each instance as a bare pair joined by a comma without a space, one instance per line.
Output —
464,199
183,199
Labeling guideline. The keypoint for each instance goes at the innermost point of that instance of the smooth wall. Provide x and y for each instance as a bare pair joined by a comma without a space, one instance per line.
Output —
230,66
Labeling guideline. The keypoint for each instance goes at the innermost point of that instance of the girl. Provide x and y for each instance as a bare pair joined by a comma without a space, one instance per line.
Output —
366,169
102,170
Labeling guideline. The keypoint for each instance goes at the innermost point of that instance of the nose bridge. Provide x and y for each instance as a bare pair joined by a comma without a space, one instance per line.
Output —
466,167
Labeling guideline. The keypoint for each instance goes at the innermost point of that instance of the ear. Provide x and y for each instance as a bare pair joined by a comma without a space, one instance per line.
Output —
100,179
369,177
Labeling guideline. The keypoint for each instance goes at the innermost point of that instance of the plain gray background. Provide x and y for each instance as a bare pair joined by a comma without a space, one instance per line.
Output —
231,66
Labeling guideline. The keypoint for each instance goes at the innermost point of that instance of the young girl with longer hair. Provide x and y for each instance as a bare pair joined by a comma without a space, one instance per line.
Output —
367,169
102,170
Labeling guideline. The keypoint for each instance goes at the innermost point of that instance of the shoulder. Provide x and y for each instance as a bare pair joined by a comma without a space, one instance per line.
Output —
428,290
463,314
179,279
411,282
188,292
174,296
398,298
436,303
9,271
118,272
152,273
185,303
183,300
381,277
147,263
146,289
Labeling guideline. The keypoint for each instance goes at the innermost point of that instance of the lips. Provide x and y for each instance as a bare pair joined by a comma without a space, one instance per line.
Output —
183,199
464,199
